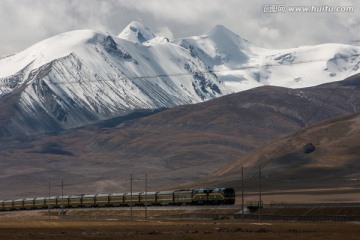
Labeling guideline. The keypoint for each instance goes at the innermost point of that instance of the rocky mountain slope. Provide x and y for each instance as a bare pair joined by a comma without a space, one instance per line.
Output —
174,146
327,172
82,77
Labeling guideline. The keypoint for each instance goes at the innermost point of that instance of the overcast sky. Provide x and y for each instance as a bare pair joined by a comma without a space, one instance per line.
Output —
25,22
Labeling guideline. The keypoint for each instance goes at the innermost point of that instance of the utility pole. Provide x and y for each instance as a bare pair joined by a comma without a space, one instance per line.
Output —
62,196
146,196
242,193
49,200
260,205
131,213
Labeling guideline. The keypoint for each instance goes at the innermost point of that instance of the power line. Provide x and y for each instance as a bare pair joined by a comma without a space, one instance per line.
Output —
259,66
291,137
328,97
88,182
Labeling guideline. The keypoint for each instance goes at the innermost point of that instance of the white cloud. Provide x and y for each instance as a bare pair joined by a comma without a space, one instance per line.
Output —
185,12
24,22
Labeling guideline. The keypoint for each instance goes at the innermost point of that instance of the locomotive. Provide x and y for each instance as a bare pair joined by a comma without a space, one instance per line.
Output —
201,196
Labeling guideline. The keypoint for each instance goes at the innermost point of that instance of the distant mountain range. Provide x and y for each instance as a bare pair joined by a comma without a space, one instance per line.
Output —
241,65
84,77
91,108
183,144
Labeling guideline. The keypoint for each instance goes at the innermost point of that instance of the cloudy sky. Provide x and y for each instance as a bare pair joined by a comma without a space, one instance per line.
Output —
25,22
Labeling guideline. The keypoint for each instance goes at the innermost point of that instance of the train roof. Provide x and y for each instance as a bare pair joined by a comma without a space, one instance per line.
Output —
134,194
145,193
19,199
117,194
185,191
40,198
202,190
103,195
75,196
221,189
89,195
29,199
166,192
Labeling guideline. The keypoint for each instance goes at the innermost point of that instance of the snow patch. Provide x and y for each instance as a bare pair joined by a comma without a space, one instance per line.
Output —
136,32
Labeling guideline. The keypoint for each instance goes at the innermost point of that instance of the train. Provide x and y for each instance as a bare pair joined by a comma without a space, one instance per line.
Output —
200,196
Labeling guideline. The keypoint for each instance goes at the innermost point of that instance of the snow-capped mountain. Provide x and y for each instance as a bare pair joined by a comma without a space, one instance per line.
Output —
137,33
84,76
242,66
218,47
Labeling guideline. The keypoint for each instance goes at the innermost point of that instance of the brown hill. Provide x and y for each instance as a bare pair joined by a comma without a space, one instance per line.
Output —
329,172
174,146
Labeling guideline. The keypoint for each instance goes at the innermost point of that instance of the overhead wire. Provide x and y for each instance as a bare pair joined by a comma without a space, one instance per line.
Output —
257,66
288,146
329,96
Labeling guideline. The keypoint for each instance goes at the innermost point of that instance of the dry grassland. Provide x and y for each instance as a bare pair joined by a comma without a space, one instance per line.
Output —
184,229
32,225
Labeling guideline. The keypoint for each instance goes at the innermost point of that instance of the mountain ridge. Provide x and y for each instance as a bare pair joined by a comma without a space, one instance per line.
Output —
137,32
101,77
89,108
245,66
177,146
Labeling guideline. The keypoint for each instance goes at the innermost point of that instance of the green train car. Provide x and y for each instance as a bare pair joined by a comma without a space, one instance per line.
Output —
200,196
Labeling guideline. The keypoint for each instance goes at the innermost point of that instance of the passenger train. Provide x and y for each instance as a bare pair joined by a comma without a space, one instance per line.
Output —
201,196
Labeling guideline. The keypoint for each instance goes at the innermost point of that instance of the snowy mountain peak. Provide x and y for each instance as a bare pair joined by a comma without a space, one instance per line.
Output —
220,31
48,50
83,77
225,39
136,32
218,47
241,65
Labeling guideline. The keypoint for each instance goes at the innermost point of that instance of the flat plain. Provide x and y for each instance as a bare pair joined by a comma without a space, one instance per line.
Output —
33,225
189,229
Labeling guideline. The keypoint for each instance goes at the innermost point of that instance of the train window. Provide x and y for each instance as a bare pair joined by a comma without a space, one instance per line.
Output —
201,190
229,192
